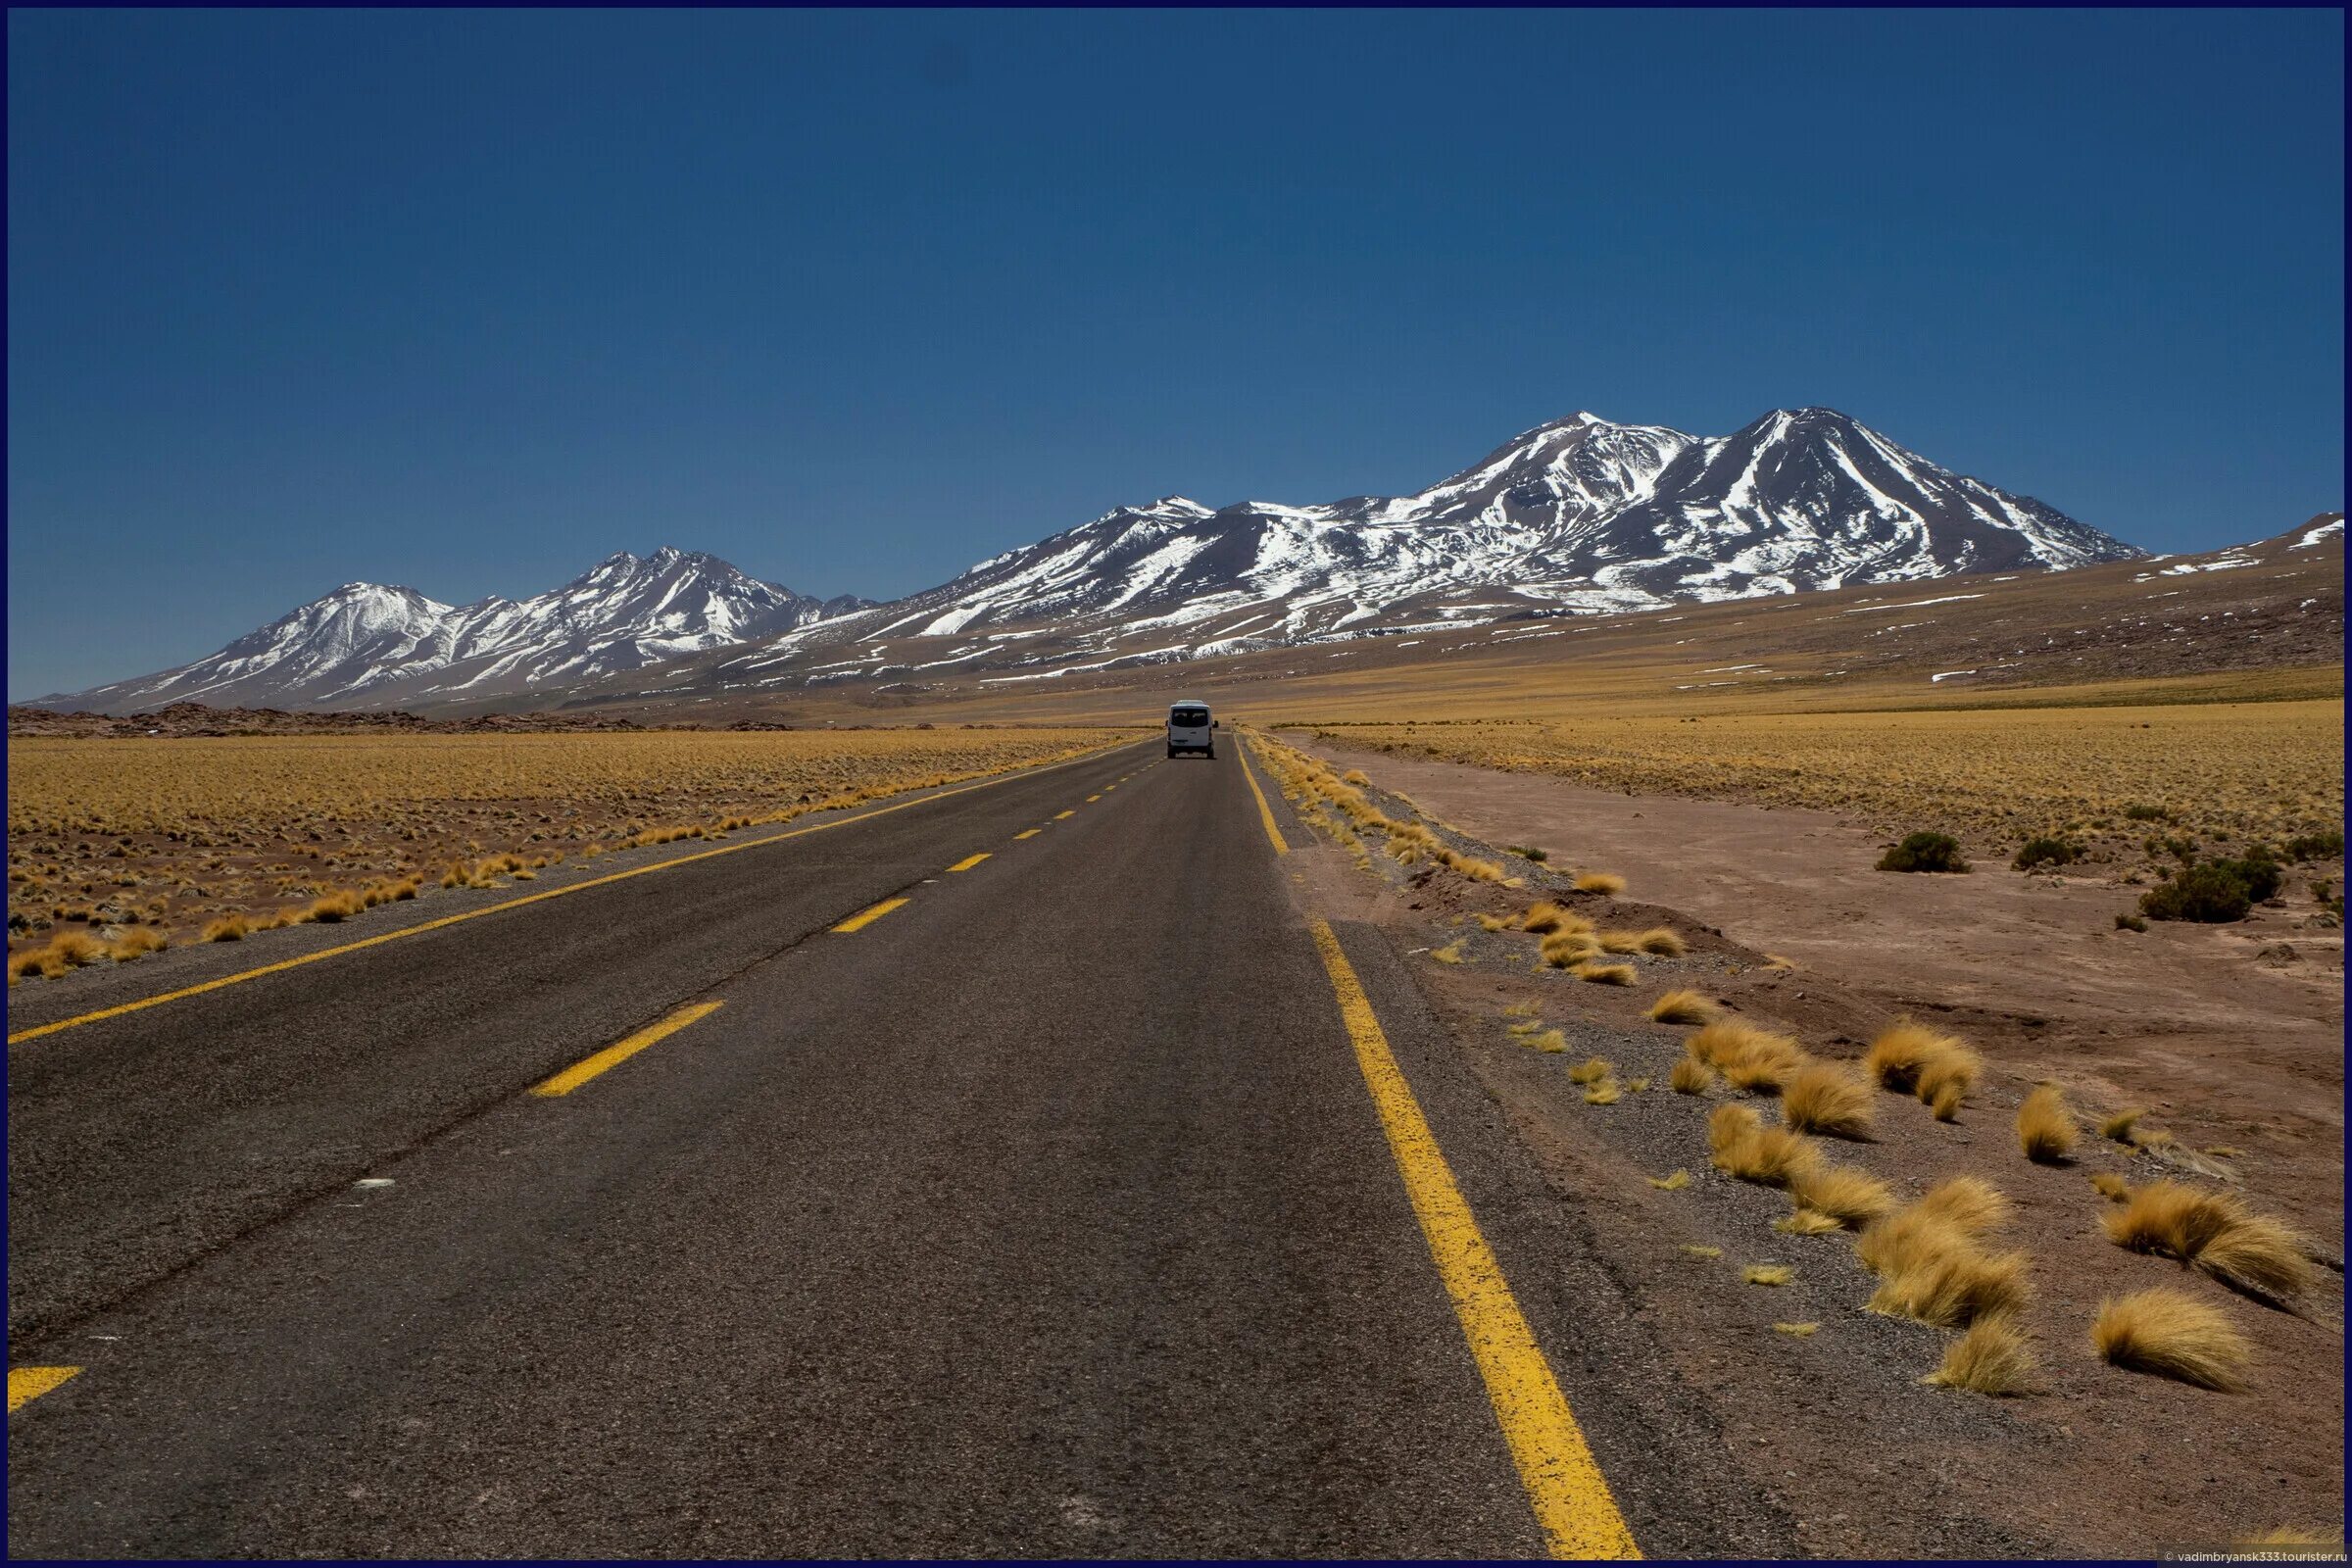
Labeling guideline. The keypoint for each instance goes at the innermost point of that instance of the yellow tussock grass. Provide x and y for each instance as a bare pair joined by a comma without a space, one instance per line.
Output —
228,928
1853,1197
136,942
1545,917
1604,882
1672,1182
1604,974
1635,1086
2173,1335
1992,1357
1682,1006
1748,1058
1697,1251
2110,1186
1451,953
1767,1273
1661,941
1494,922
1603,1093
1897,1055
1950,1284
1806,1222
1745,1148
1797,1330
1822,1097
1564,949
1690,1076
1551,1042
340,905
1523,1010
2045,1127
1619,941
2213,1230
2121,1126
1591,1071
1971,1202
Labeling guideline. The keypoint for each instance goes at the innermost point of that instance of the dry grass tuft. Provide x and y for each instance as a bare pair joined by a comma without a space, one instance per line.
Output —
1767,1273
136,942
1950,1284
1672,1182
1603,1093
1970,1202
2171,1335
2121,1125
1564,949
1591,1071
1618,941
1683,1006
1936,1068
1603,882
1745,1148
2045,1128
228,928
1690,1076
1604,974
1661,942
1807,1222
1992,1357
1545,917
1853,1197
1551,1042
1494,922
1748,1058
2214,1232
1797,1330
340,905
1697,1251
2110,1186
1822,1097
1451,953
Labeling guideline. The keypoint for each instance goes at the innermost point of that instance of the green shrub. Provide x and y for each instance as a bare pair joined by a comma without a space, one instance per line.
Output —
2147,813
2212,892
2323,846
1530,853
1923,852
2046,851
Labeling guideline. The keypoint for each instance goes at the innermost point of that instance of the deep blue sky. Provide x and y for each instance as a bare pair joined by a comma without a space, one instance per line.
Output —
466,302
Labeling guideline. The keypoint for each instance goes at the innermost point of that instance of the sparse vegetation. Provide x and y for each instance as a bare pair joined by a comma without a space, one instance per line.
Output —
1682,1006
1608,883
2045,1127
1672,1182
1936,1068
1690,1076
2212,892
1853,1197
2216,1233
1745,1148
1525,852
1767,1273
1822,1096
1797,1330
2108,1185
1659,942
1924,851
1748,1058
1604,974
2173,1335
2045,851
1992,1357
1928,1265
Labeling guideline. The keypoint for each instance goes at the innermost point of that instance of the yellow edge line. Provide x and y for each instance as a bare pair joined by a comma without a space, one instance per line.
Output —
866,917
1265,813
535,898
27,1384
1571,1498
969,861
571,1077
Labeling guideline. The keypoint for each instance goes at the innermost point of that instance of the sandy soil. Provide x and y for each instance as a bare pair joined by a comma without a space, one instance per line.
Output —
2229,1048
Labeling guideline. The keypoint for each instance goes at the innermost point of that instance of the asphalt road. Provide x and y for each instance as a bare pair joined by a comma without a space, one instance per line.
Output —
1045,1214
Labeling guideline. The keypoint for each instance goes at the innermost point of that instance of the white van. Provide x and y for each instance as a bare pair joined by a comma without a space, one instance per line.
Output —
1191,729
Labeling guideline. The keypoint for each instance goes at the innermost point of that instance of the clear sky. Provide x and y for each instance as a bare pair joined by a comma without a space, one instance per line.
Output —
466,302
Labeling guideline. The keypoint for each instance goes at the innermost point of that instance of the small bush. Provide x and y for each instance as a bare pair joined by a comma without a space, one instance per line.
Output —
1923,852
2211,892
1767,1273
2129,922
2046,851
2323,845
1528,851
2148,814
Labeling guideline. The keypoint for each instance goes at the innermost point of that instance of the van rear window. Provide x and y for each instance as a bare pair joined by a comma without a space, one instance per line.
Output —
1188,717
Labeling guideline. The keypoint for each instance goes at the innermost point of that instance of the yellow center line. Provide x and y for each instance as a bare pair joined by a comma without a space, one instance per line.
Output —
423,926
1265,813
1092,799
866,917
27,1384
1572,1502
570,1078
1058,816
1029,833
967,863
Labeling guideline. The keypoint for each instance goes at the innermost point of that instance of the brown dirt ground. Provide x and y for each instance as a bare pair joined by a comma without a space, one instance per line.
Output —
2229,1043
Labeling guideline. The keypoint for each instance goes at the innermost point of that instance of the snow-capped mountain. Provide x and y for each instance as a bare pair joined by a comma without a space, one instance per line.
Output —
1583,513
365,646
1579,515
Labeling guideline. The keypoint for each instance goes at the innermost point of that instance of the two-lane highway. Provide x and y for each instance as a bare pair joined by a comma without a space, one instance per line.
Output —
1002,1176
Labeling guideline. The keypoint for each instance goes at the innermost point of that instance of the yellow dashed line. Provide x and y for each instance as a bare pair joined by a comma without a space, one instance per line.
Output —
866,917
27,1384
423,926
570,1078
967,863
1029,833
1572,1500
1060,815
1092,799
1265,813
